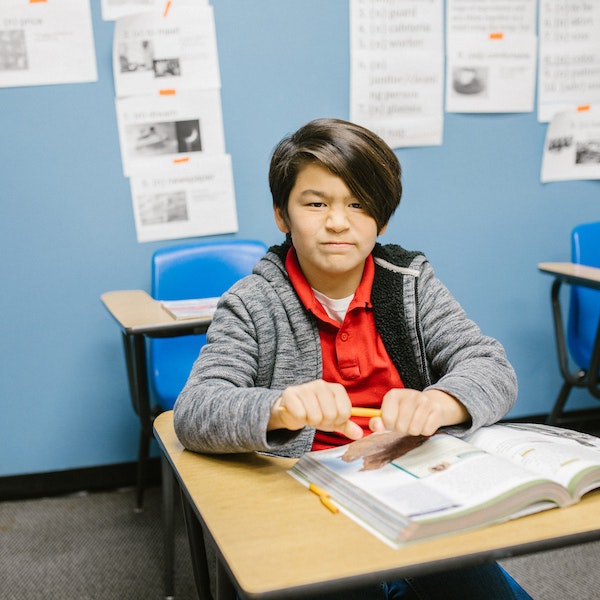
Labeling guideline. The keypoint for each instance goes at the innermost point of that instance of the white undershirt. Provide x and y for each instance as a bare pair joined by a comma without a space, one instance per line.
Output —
336,308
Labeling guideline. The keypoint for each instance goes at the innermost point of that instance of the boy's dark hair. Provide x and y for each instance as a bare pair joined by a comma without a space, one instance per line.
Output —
366,164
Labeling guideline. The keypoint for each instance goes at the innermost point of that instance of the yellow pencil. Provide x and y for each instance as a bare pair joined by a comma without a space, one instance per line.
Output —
326,501
315,489
323,497
357,411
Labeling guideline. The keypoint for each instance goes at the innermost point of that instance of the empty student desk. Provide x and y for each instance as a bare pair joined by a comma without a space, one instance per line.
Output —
274,539
139,316
578,344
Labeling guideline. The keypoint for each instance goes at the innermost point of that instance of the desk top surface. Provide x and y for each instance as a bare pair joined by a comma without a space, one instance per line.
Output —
274,534
573,273
137,312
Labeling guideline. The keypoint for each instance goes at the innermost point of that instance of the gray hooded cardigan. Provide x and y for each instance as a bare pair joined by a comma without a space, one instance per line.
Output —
263,340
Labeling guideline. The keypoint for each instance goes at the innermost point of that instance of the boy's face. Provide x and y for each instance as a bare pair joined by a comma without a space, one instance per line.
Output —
331,232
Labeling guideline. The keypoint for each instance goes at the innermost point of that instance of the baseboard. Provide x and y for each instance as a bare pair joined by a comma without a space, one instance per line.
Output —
91,479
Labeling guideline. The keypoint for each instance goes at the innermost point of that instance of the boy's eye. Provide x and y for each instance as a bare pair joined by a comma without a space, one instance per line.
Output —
357,205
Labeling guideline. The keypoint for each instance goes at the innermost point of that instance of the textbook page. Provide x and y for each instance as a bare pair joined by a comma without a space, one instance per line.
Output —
571,458
465,476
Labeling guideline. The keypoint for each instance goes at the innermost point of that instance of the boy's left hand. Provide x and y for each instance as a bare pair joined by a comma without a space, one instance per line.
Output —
413,412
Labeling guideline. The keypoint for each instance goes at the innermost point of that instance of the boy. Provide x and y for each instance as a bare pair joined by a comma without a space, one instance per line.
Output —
331,319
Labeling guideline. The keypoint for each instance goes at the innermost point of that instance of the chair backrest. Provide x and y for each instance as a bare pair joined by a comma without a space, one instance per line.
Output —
584,307
193,270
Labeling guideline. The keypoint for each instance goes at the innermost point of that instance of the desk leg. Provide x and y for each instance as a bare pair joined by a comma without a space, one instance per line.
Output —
197,550
135,358
593,380
225,590
579,378
168,509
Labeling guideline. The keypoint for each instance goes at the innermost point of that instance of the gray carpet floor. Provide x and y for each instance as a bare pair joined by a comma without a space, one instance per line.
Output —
95,547
89,547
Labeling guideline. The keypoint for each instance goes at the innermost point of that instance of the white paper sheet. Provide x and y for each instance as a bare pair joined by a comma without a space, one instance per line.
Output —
396,83
572,147
486,16
569,61
491,73
185,200
155,131
153,51
491,56
44,43
115,9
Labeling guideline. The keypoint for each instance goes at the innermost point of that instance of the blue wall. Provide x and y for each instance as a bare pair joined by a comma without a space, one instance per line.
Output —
475,205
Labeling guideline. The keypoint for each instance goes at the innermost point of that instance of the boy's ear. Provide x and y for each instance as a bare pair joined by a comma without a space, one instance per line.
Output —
382,230
280,221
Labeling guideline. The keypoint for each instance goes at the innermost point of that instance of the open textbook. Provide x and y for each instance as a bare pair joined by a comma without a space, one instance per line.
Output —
410,488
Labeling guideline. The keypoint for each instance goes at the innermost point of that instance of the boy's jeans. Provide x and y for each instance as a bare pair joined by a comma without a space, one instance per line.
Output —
482,582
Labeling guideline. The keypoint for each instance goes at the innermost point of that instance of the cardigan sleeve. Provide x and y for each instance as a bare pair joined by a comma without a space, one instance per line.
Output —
463,361
257,345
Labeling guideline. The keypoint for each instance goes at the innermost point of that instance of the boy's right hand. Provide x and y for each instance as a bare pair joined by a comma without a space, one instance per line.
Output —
319,404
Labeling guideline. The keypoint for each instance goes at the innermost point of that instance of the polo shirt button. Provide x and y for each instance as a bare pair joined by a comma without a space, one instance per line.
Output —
344,337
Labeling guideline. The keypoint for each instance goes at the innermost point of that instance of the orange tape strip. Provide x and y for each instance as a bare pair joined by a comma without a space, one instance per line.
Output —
167,92
181,160
583,107
36,1
167,7
496,36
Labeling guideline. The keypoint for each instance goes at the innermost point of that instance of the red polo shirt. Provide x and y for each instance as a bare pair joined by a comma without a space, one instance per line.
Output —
353,352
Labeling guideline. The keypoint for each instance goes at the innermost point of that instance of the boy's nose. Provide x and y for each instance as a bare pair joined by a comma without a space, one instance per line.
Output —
337,219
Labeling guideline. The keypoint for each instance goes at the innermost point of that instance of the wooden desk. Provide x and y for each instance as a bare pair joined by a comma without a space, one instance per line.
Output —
139,316
264,525
137,313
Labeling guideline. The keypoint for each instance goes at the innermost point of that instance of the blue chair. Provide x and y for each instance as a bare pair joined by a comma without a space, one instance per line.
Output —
581,342
193,270
196,270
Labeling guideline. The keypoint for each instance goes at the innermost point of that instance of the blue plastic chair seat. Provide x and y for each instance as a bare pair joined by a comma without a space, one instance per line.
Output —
194,270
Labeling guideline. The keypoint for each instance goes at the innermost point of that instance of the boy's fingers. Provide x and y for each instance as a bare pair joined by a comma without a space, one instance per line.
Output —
376,425
352,430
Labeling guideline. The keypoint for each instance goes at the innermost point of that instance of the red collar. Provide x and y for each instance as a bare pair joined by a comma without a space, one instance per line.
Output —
362,295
